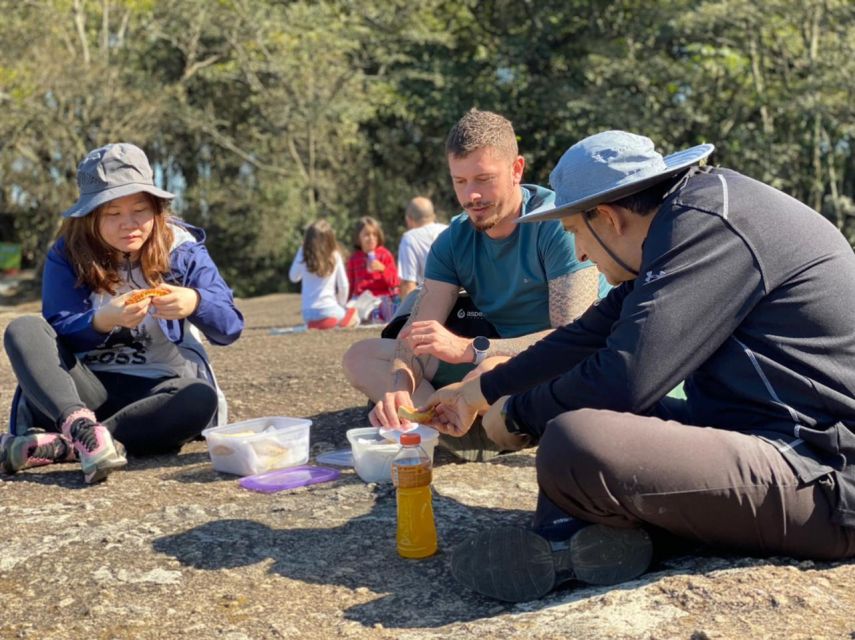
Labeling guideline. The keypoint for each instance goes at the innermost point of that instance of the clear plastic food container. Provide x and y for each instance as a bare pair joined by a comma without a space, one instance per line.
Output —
372,453
262,444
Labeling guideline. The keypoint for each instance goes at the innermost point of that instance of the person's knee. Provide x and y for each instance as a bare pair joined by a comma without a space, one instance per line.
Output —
197,402
25,327
351,360
202,397
356,359
574,444
22,331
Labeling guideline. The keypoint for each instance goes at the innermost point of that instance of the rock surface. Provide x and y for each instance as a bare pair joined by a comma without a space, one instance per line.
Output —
169,548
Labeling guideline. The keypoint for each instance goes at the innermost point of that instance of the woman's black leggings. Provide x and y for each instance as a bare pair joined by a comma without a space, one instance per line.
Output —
147,415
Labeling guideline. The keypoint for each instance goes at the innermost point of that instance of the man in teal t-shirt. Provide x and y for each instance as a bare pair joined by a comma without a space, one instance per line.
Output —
525,279
507,277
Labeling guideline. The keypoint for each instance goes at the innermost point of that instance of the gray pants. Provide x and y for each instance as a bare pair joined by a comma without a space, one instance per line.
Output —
714,486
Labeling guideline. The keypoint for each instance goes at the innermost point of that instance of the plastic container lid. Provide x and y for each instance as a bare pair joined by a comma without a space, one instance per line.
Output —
289,478
337,458
410,438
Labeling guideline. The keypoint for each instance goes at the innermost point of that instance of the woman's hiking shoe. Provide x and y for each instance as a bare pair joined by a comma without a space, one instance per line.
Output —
99,454
518,565
33,450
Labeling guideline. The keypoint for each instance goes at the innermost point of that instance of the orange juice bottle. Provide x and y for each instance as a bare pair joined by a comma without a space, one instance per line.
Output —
411,474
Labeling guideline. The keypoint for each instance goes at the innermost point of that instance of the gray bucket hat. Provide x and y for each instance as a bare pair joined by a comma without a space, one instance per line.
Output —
608,166
110,172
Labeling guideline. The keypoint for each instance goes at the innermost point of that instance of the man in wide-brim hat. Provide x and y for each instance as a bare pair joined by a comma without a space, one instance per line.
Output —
725,282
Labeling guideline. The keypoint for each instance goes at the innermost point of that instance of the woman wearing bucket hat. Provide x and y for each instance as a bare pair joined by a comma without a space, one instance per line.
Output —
743,292
114,363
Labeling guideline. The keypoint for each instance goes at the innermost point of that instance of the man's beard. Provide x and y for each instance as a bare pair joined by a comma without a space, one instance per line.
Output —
485,224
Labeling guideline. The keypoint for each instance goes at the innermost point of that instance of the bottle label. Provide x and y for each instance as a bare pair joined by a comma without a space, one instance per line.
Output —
406,476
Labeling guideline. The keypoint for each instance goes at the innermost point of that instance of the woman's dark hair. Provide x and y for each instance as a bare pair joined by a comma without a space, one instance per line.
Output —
369,223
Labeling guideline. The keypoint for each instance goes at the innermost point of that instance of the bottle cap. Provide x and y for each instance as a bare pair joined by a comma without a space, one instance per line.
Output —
410,438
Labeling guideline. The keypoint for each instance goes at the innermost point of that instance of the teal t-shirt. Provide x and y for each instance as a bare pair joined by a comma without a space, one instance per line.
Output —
507,278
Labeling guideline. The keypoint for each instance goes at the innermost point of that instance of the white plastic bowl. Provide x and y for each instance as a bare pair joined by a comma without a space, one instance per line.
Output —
373,454
259,445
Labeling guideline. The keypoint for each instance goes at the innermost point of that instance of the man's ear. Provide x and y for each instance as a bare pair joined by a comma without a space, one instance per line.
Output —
613,216
517,169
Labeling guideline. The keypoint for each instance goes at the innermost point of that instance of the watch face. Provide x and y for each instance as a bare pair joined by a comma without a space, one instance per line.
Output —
481,343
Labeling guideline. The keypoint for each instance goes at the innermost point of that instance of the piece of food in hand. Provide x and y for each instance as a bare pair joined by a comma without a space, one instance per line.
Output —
410,413
141,294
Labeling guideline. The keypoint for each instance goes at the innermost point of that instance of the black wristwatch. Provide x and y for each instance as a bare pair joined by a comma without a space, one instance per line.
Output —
480,345
510,423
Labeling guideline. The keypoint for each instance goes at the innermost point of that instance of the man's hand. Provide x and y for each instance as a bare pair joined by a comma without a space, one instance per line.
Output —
494,426
429,337
457,406
179,304
385,412
487,365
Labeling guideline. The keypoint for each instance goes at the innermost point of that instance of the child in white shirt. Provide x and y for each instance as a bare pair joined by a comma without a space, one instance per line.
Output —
325,289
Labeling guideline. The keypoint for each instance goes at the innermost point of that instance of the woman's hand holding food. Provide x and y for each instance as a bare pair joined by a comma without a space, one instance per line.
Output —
117,313
179,303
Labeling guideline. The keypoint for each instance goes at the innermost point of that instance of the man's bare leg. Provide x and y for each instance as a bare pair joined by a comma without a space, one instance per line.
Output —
367,365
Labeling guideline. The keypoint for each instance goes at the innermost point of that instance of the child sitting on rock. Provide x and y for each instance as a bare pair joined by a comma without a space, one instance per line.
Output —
318,264
372,267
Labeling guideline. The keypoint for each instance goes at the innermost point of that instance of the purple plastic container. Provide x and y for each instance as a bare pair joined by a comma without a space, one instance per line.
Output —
289,478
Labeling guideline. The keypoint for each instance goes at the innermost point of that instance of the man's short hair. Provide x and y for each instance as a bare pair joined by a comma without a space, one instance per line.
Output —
420,210
646,202
479,129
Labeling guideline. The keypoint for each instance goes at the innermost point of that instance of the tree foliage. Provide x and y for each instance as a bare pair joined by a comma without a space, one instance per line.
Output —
265,114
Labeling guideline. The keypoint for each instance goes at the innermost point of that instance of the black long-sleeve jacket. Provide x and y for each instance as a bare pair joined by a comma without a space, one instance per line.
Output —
746,294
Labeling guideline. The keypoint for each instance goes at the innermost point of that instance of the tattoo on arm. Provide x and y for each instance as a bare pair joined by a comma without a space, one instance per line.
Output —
571,295
407,369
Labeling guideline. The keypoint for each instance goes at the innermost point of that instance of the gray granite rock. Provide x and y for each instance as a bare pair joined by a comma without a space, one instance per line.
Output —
169,548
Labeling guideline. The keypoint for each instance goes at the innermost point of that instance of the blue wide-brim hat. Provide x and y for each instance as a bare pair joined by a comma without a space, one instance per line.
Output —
609,166
111,172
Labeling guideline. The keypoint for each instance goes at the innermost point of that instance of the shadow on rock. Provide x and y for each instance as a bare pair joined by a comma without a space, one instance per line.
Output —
69,475
360,553
329,428
65,475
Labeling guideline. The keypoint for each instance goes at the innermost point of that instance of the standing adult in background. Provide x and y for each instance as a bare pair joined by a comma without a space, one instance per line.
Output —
423,229
525,279
725,282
